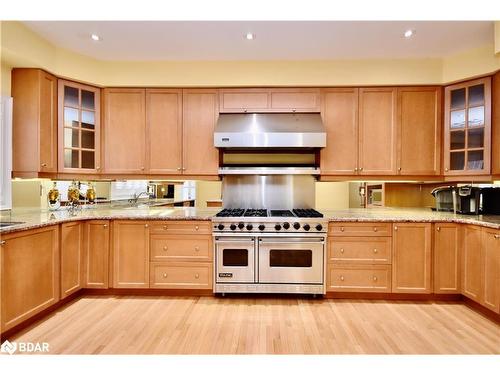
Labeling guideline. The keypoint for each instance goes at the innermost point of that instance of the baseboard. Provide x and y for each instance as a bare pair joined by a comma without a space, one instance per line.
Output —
394,296
490,314
148,292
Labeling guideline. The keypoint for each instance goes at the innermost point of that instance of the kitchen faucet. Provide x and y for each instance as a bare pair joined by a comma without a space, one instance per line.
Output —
137,196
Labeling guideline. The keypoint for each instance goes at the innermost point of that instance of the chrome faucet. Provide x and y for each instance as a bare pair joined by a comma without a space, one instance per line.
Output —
137,196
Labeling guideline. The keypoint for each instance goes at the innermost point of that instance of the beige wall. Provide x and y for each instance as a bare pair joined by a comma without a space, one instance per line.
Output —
27,193
497,37
23,48
207,190
332,195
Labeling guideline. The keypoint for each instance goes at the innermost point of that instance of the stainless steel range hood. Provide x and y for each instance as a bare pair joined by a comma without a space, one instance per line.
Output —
270,130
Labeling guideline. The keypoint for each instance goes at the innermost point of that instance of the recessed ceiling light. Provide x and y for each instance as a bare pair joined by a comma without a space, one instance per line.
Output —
409,33
95,37
250,36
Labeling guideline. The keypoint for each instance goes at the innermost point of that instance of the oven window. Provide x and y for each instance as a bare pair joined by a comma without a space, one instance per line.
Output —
235,257
290,258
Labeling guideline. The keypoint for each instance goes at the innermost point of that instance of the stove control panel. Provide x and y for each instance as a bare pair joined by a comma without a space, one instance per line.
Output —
309,226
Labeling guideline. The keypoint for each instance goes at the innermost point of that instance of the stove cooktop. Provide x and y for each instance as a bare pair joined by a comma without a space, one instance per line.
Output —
262,212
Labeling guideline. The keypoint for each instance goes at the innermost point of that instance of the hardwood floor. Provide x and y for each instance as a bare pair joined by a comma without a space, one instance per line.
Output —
208,325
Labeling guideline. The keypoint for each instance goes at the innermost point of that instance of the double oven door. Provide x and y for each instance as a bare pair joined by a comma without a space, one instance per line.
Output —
270,260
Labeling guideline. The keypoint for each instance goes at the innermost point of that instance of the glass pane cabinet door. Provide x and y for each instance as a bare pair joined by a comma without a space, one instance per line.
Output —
79,126
468,127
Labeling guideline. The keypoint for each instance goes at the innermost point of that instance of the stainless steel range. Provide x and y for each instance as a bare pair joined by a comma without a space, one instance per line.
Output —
269,251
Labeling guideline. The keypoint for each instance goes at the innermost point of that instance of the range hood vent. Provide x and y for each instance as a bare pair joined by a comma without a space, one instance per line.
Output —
270,130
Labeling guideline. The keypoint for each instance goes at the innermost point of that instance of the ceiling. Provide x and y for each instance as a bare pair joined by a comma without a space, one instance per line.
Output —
274,40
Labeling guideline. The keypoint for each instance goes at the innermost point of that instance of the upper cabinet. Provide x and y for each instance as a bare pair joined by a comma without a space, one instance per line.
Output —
200,113
124,131
467,135
79,128
34,133
419,141
269,100
495,126
164,131
377,131
339,111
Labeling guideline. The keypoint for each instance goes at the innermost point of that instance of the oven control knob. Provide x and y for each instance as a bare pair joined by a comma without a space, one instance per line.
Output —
241,225
306,227
262,227
319,227
286,225
296,226
277,227
233,227
249,227
220,226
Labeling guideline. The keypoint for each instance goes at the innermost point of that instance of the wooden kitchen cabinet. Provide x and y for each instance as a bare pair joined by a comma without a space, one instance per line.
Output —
491,275
200,110
412,258
79,128
130,254
269,100
495,124
34,122
96,254
472,263
419,140
124,131
164,131
467,128
447,265
71,258
29,274
377,131
340,117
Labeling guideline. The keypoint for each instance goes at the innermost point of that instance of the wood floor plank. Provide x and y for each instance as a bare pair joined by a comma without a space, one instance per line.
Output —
210,325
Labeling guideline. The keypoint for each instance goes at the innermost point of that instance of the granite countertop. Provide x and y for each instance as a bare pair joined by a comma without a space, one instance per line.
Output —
35,218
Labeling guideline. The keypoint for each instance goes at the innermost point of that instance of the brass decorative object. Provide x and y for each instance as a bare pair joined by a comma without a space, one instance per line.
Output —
53,198
91,194
73,193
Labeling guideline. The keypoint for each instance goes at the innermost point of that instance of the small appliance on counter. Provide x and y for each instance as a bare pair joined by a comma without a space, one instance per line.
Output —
445,198
490,196
468,199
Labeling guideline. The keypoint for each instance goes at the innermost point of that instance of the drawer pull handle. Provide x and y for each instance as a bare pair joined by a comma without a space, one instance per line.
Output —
165,227
196,248
44,164
375,278
438,229
196,227
395,228
165,248
197,276
375,251
342,250
165,275
341,278
105,225
146,226
375,229
341,229
2,243
497,236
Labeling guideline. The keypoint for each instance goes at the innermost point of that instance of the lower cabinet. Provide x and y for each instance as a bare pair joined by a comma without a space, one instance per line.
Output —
29,274
181,255
359,278
96,254
472,263
491,278
130,254
412,258
447,244
71,258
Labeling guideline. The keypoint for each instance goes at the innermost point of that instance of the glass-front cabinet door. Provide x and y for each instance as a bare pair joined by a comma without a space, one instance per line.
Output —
468,128
79,128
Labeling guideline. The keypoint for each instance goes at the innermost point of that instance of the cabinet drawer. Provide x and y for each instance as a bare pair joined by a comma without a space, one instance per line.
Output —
360,229
306,100
181,275
235,100
181,227
376,278
362,250
181,247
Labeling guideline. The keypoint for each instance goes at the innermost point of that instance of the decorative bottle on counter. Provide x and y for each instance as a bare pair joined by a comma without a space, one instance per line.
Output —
91,194
53,198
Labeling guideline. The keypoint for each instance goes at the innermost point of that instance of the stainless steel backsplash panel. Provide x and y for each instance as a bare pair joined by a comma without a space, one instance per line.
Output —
268,191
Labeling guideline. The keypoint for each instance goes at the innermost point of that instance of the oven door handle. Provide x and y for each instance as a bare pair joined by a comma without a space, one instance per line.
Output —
292,240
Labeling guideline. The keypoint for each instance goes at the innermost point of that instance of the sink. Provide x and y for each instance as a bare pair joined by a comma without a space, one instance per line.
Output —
6,224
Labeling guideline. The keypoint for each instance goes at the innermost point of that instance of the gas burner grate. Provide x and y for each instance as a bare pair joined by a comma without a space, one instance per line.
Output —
282,213
306,212
231,212
256,212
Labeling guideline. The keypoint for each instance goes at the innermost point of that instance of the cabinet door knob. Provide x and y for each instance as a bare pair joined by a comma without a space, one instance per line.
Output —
165,275
341,278
2,243
438,229
342,250
395,228
196,248
497,236
355,169
105,225
375,229
446,169
341,229
399,169
165,248
196,227
44,164
375,251
197,276
375,278
361,168
146,226
98,167
142,168
165,227
179,168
